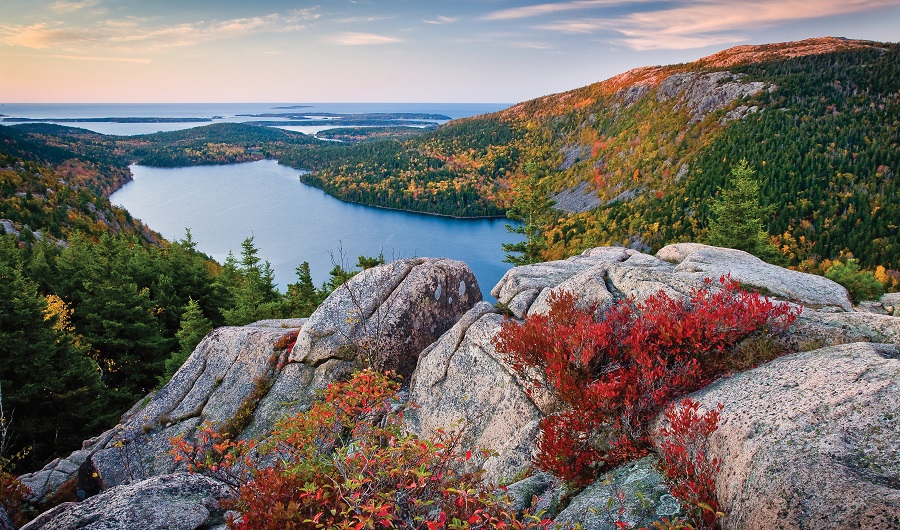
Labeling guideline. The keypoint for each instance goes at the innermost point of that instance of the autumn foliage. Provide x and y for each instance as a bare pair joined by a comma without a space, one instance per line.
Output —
685,460
347,463
13,495
617,371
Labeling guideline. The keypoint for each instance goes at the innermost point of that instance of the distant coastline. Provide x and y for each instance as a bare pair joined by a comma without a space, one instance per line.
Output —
111,120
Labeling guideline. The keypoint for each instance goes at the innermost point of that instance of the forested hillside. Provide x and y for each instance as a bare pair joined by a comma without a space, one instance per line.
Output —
458,169
48,190
97,310
634,159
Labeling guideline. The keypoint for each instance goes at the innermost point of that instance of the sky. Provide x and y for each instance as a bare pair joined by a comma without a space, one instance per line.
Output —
489,51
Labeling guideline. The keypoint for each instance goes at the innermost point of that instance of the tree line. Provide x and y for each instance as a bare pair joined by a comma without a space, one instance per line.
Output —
91,327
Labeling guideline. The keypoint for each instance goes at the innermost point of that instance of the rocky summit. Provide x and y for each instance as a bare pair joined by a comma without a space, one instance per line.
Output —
809,440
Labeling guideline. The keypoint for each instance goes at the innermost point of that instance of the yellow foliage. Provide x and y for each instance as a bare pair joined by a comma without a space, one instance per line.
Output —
57,307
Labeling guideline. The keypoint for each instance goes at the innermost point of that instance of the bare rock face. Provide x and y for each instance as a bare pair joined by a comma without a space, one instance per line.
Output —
399,308
581,198
703,94
462,384
702,261
810,440
589,508
208,388
5,522
170,502
394,311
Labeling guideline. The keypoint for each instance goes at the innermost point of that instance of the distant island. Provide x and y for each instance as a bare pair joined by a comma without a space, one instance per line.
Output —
359,134
295,107
374,122
111,120
397,116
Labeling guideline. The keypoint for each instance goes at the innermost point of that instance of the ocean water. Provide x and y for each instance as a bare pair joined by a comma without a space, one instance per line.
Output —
292,222
224,112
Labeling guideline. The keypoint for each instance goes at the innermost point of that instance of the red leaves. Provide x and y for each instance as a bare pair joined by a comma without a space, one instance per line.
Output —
13,495
684,459
348,463
616,372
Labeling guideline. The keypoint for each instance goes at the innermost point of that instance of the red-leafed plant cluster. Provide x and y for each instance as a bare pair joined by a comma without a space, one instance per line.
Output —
347,463
616,372
12,497
685,461
286,342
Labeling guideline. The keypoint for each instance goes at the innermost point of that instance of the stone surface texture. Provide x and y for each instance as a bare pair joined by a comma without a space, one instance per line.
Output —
169,502
810,440
462,382
5,522
703,94
589,508
398,308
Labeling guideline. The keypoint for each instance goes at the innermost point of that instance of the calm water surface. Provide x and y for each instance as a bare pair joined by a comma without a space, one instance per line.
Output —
217,112
292,222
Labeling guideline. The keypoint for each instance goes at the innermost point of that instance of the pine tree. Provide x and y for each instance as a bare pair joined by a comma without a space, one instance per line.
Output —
302,298
51,390
252,288
738,215
194,326
115,314
530,204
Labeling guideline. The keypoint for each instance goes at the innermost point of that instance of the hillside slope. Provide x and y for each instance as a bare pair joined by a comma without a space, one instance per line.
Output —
632,160
48,189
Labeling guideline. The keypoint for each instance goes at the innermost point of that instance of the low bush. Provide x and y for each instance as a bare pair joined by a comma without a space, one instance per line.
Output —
616,372
685,461
13,496
347,463
862,285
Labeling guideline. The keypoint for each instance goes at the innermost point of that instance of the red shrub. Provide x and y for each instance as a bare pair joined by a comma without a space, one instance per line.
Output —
12,497
347,463
618,371
685,463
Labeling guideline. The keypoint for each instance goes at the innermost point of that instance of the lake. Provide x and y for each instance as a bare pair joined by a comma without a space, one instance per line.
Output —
292,222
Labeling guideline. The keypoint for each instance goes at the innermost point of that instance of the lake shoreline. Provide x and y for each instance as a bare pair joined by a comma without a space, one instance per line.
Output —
293,221
430,214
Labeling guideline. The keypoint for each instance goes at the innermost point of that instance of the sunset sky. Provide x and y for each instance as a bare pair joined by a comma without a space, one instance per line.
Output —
382,50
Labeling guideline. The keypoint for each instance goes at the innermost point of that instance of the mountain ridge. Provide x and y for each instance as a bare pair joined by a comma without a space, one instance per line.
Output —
650,146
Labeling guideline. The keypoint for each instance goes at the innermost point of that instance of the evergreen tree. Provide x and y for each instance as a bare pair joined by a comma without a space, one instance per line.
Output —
194,326
252,288
531,202
51,390
115,314
302,298
738,215
861,285
367,262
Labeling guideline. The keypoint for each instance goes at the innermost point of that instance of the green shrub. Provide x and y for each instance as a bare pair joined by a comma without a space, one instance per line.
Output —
862,285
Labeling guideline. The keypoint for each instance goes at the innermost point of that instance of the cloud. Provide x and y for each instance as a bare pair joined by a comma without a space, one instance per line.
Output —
529,45
140,34
104,59
441,20
63,6
556,7
41,36
362,39
713,22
